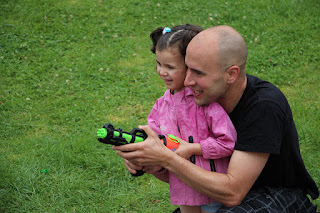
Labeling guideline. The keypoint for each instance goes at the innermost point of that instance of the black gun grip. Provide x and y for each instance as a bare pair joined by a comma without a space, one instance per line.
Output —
139,173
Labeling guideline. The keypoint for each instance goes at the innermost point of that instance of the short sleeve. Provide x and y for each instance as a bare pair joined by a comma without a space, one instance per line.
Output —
261,129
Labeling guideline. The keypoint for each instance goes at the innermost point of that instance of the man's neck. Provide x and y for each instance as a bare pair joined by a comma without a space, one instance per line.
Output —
233,95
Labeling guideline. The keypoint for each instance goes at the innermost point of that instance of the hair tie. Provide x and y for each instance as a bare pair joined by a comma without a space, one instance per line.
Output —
166,30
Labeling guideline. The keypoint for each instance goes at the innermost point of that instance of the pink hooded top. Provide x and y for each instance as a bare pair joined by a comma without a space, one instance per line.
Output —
210,126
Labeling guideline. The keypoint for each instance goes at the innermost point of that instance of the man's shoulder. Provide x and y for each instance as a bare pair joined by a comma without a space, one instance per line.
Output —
260,96
260,85
263,91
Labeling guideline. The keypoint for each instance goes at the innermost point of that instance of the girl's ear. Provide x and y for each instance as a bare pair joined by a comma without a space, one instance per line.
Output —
232,73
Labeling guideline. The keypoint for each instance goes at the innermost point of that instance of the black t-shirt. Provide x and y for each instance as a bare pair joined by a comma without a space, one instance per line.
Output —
264,123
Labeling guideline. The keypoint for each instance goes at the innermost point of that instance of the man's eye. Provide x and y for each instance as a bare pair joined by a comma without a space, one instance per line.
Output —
198,72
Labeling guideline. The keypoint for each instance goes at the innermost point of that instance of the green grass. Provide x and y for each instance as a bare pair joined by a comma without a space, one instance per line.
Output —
68,67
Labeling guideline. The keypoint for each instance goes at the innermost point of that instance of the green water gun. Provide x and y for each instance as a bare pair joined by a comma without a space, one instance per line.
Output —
109,135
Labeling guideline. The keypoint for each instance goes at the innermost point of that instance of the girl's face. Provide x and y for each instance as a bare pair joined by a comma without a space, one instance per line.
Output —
171,68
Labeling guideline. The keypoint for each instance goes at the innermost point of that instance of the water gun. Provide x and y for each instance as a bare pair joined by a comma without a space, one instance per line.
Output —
109,135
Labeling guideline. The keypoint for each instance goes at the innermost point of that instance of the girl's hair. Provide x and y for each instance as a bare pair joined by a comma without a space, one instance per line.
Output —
179,36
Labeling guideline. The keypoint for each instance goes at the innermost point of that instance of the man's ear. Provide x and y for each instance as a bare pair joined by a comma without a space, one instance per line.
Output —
232,73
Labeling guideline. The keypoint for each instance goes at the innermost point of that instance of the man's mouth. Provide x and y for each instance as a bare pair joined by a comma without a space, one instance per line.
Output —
197,93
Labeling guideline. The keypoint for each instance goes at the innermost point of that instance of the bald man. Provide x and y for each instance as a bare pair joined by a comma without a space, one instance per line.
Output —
266,172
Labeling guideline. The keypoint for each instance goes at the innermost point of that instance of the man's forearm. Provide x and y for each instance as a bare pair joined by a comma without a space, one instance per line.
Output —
228,189
215,185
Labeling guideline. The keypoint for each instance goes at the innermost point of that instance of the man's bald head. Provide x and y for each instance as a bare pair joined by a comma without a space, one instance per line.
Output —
216,59
223,44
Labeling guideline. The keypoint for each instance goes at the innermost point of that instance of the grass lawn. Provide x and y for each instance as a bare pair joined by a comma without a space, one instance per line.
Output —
68,67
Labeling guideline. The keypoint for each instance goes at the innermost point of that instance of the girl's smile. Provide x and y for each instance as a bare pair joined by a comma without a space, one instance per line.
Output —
171,68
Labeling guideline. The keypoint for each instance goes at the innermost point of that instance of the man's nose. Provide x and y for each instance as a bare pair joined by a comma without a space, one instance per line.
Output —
189,81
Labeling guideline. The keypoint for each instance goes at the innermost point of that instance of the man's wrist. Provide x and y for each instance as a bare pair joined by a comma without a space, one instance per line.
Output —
167,158
170,159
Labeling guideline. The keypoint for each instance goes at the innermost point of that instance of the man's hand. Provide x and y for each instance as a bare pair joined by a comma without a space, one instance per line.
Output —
152,169
150,152
132,168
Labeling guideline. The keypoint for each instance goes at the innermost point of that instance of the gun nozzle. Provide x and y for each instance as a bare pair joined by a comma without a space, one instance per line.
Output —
102,133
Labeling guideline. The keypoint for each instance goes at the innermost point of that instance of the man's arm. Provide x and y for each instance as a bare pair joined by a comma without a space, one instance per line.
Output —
228,189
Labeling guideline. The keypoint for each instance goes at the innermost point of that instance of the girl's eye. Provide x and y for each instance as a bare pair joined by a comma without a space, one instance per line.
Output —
170,67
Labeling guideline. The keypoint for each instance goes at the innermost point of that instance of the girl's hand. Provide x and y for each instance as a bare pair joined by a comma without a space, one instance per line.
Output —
186,150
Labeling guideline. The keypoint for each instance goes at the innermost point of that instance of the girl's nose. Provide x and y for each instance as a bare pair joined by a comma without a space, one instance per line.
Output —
162,72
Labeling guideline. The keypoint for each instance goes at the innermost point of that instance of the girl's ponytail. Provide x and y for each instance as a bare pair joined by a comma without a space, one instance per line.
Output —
155,36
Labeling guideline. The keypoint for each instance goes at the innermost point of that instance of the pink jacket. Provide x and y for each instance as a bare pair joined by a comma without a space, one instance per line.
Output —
210,126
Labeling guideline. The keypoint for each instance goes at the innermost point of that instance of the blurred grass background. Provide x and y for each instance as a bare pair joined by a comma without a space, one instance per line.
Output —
68,67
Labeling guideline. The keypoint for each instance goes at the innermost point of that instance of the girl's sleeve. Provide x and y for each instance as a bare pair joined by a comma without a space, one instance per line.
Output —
221,143
153,118
154,123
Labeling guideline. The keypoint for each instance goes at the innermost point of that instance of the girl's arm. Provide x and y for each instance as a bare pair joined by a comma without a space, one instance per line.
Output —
222,141
153,122
153,119
224,135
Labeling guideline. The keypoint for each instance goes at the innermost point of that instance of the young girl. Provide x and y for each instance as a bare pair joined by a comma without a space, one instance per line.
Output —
176,113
